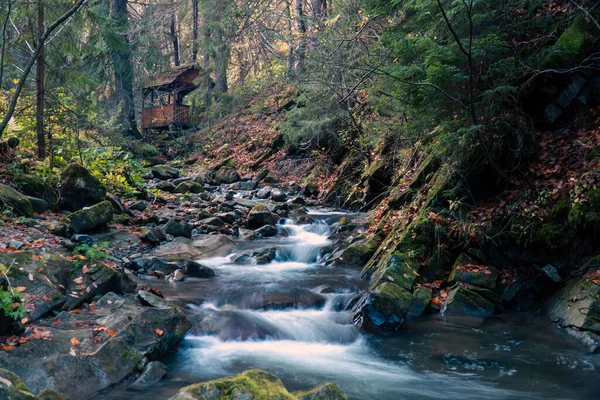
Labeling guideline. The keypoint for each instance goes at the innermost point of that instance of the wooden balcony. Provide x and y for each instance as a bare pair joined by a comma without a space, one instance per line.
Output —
165,117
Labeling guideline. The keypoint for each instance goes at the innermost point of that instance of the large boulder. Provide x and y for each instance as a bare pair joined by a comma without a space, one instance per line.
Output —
164,172
79,188
576,307
178,229
467,271
95,348
9,197
91,218
383,309
34,186
465,299
260,216
249,385
227,175
189,187
205,177
13,388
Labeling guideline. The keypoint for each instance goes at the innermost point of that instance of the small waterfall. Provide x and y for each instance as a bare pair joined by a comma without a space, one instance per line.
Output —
304,242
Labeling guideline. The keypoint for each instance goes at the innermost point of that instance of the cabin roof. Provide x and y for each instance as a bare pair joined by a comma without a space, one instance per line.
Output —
168,78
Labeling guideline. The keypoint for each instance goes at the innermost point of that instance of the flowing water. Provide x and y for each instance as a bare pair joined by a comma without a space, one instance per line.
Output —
286,317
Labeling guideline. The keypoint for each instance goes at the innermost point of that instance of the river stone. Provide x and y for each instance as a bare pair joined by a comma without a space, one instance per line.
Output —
203,246
164,172
153,235
178,229
12,387
153,372
260,216
462,299
382,309
326,391
420,301
153,300
267,231
249,385
79,188
34,186
226,175
189,187
310,190
264,193
166,186
244,185
197,270
91,218
213,221
177,276
576,307
259,257
9,197
278,195
205,177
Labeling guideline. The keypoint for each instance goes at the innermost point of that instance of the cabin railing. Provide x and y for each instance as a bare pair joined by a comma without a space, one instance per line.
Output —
162,116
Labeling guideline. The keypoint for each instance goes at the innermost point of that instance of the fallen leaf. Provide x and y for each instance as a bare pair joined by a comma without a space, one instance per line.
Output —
8,348
111,332
30,276
159,332
46,297
78,280
75,342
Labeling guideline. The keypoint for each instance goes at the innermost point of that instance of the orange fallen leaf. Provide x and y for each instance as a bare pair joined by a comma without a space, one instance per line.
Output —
111,332
159,332
78,280
75,342
8,348
46,297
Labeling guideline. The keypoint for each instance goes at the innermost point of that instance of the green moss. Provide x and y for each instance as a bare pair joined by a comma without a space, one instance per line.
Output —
48,394
561,208
326,391
594,199
549,234
568,45
576,215
344,221
254,384
259,208
18,391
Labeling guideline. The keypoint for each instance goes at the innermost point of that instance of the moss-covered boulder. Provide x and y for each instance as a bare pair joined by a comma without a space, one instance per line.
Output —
249,385
464,299
34,186
19,203
38,205
383,308
326,391
227,175
260,216
164,172
49,394
576,307
205,177
91,218
466,270
189,187
79,188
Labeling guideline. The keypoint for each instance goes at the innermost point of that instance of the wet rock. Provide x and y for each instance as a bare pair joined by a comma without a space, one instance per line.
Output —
260,216
203,246
197,270
511,290
326,391
38,205
136,332
382,309
189,187
298,200
244,185
295,298
467,271
259,257
164,172
213,221
267,231
278,195
154,263
79,188
178,229
249,385
12,387
153,235
264,193
576,307
226,175
420,301
178,276
84,239
462,299
91,218
552,273
15,200
153,300
153,373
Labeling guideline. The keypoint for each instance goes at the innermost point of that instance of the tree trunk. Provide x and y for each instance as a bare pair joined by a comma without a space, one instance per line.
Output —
9,9
194,30
40,84
123,71
174,38
290,54
206,64
301,24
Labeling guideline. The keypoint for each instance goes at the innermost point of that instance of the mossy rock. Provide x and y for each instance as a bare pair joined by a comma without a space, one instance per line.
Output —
462,300
92,218
227,175
399,269
467,271
420,301
12,387
326,391
9,197
79,188
34,186
164,172
189,187
382,309
569,45
49,394
249,385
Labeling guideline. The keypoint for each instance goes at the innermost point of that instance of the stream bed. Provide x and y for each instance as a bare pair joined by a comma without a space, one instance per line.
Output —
287,317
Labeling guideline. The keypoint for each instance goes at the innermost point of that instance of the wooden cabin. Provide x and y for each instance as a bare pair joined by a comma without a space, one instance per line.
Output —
163,100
